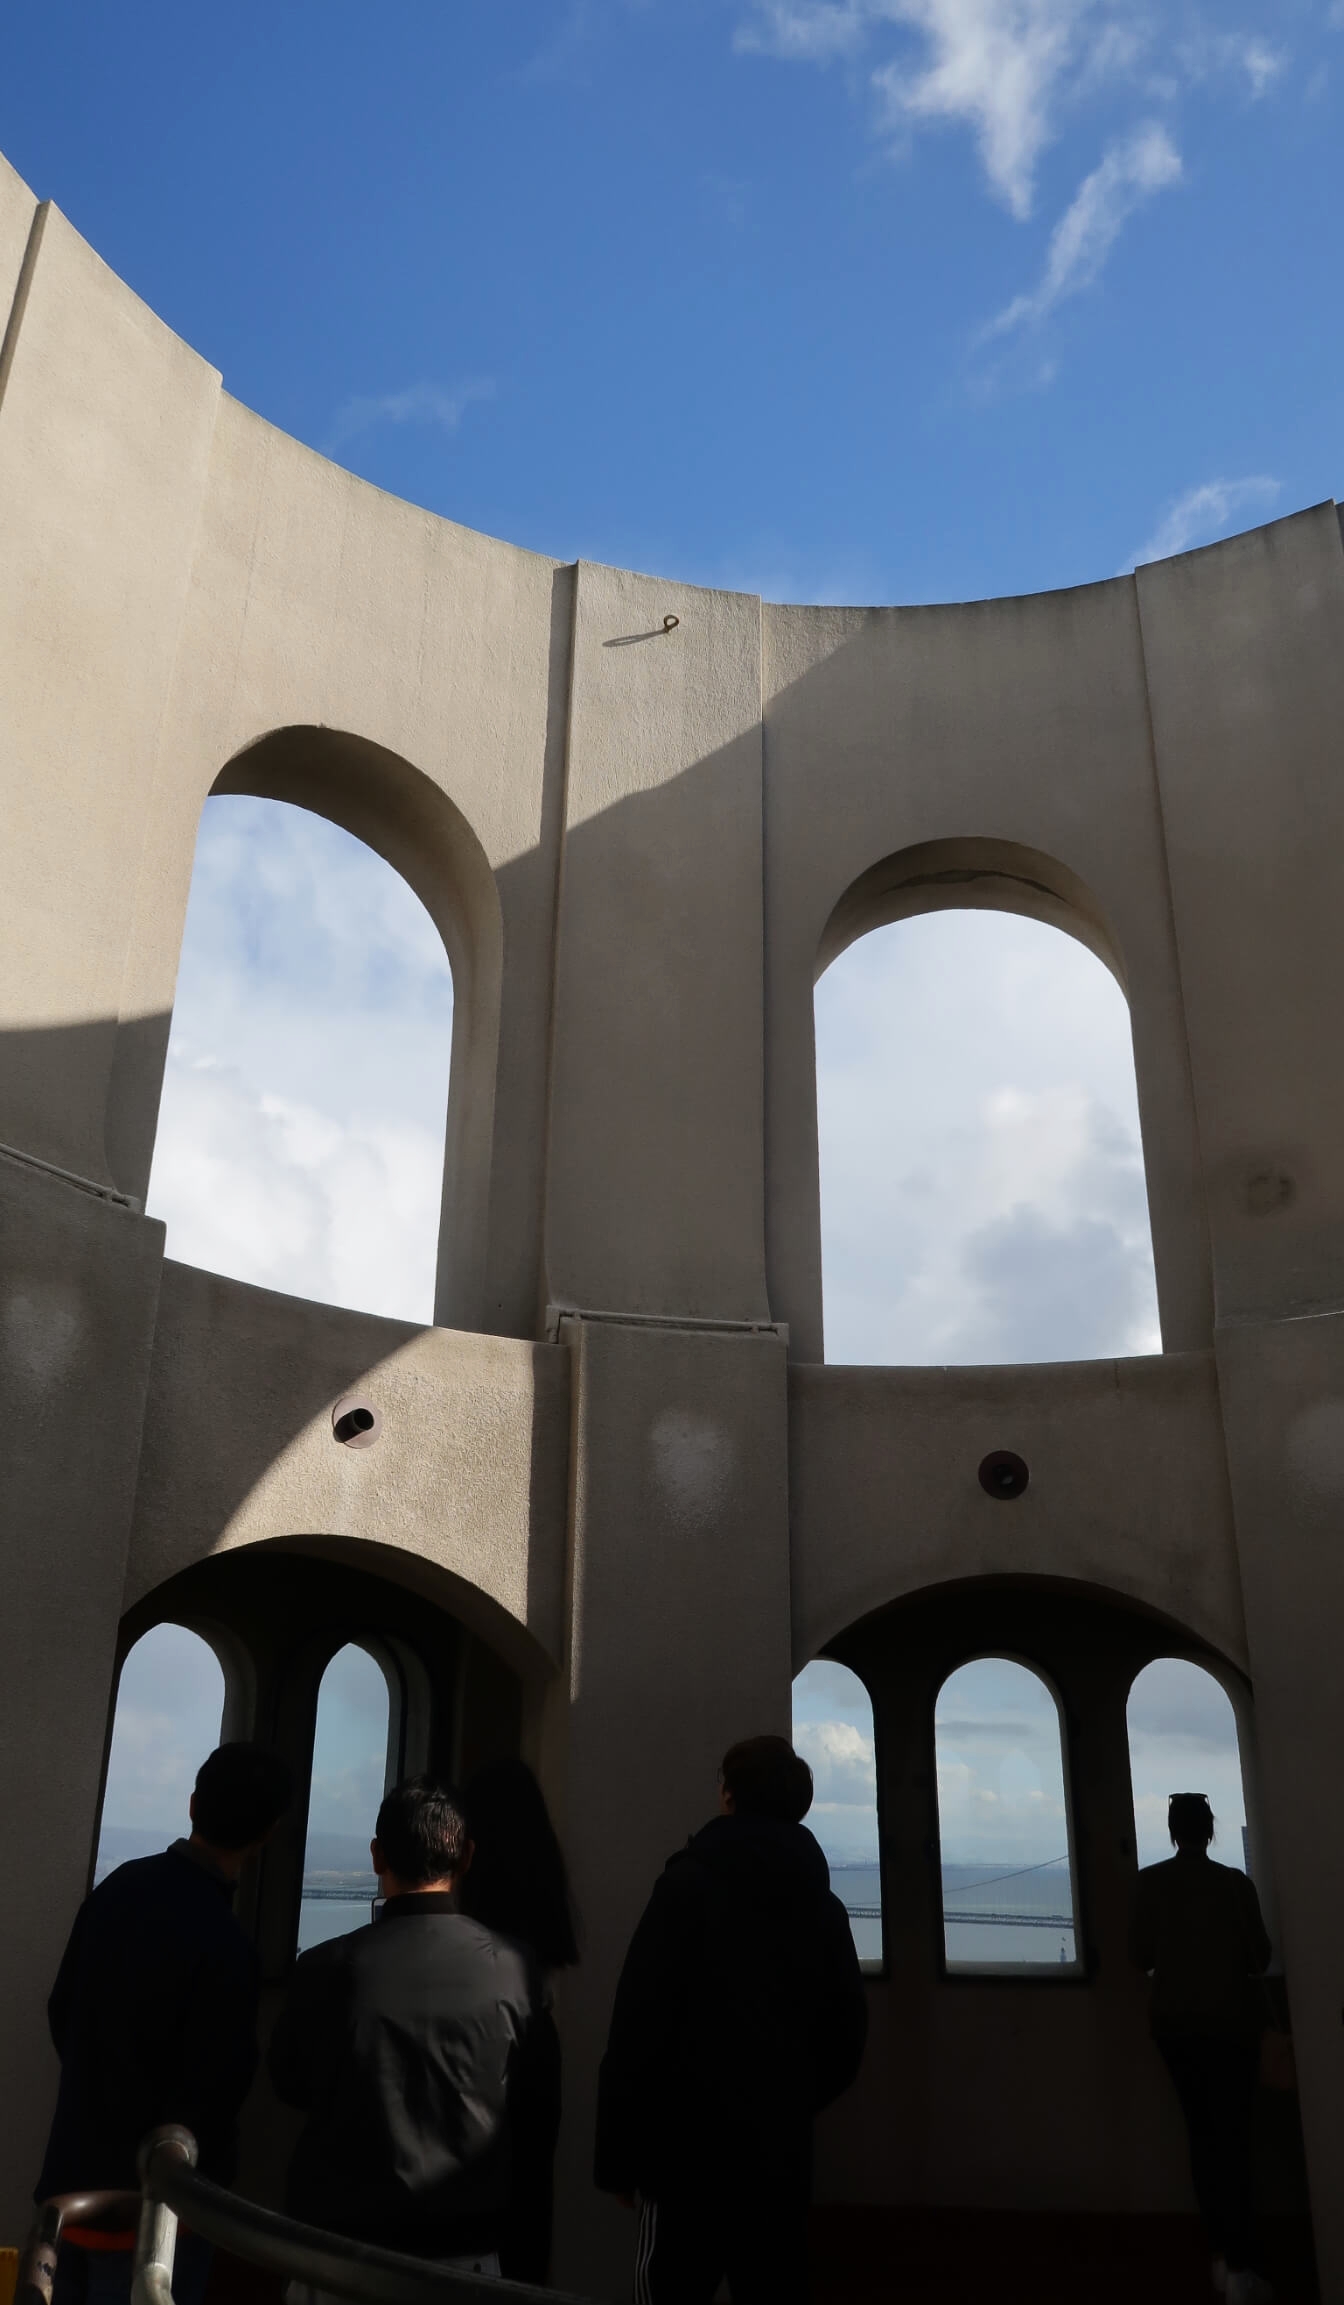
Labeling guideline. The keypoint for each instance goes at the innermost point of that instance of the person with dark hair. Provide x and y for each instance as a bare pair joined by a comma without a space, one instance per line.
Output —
739,2014
154,2015
1198,1931
410,2046
517,1886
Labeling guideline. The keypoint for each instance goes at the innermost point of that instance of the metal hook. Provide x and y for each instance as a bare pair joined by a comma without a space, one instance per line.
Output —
670,623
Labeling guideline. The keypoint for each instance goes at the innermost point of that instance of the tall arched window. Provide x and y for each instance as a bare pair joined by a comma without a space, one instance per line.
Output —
1003,1821
833,1730
982,1184
301,1134
1183,1739
170,1702
351,1745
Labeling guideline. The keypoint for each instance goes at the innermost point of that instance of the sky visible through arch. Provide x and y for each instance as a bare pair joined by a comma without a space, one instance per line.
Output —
831,299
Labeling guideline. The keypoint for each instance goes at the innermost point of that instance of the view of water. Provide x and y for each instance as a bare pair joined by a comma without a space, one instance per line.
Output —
331,1916
1043,1937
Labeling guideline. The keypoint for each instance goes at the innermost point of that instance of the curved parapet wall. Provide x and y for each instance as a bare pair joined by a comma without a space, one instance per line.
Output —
644,817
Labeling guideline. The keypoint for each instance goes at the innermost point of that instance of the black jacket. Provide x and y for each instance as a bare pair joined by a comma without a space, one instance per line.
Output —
1197,1926
740,2012
409,2044
154,2017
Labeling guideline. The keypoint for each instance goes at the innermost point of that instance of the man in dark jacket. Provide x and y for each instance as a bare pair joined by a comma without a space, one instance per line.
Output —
408,2044
154,2009
740,2012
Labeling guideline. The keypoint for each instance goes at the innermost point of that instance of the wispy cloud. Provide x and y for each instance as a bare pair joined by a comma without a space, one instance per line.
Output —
1134,169
996,65
1202,514
1246,56
806,31
414,404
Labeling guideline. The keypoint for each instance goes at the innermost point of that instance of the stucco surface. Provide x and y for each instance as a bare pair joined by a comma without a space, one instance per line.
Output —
469,1470
1128,1488
640,845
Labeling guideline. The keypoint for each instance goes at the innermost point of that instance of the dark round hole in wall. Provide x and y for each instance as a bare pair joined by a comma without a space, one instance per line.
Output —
1003,1475
355,1422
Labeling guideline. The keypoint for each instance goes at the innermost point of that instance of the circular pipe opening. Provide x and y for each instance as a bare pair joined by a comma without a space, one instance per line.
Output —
356,1422
1003,1475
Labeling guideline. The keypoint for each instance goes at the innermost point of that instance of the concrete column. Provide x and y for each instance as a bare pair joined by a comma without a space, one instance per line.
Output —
678,1644
655,1192
1283,1401
79,1279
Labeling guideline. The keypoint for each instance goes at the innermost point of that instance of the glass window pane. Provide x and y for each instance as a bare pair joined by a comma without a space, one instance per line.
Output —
1007,1871
348,1781
833,1730
982,1184
1183,1739
170,1702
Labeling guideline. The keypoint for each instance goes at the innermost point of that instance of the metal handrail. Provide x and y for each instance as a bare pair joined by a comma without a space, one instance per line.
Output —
173,2188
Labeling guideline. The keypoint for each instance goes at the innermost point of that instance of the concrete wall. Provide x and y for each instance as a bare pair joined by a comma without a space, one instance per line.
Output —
641,845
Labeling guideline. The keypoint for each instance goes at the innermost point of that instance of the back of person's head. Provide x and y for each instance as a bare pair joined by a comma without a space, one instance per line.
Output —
241,1791
517,1884
766,1778
1190,1820
421,1831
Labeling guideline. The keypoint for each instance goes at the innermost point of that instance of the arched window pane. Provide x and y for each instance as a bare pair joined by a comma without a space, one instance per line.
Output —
1183,1739
982,1186
170,1702
348,1781
833,1730
1003,1821
301,1135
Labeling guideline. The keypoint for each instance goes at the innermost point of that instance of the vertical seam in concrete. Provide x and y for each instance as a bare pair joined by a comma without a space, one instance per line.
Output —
557,899
22,289
1202,1194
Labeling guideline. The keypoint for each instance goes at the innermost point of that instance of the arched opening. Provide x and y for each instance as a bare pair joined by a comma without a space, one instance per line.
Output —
1183,1739
833,1730
1005,1839
981,1169
354,1759
301,1134
170,1704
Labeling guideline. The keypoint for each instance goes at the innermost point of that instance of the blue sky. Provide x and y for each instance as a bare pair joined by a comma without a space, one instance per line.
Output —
832,299
884,299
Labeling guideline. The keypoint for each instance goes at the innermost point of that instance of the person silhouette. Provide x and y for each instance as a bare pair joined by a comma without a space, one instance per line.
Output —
518,1887
1198,1932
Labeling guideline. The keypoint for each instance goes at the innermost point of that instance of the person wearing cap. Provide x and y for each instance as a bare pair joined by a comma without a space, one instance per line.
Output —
1198,1932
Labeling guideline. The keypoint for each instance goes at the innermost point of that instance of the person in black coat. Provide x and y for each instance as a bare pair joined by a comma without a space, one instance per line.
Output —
1197,1930
517,1886
739,2014
410,2046
154,2009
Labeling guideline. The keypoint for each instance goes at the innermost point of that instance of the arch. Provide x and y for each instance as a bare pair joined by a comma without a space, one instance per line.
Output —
970,876
168,1709
981,1188
401,813
834,1730
1184,1726
1003,1793
357,1731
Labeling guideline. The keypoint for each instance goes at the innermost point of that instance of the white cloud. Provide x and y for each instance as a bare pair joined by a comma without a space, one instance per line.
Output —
1141,164
982,1180
806,31
1202,514
995,65
1244,56
430,404
300,1141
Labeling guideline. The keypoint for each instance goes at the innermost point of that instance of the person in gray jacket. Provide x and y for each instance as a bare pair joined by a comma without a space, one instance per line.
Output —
410,2045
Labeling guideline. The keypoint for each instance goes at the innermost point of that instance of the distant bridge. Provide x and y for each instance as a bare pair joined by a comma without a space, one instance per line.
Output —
994,1920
